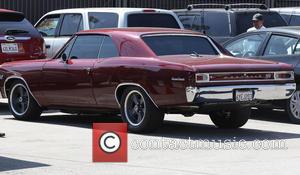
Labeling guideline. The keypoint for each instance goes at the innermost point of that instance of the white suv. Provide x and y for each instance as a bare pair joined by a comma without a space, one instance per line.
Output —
58,26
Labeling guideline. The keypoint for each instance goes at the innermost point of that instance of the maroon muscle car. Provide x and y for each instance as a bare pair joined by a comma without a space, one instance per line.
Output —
144,73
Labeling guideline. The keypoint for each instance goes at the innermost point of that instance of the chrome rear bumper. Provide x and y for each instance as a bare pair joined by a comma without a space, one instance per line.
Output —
226,93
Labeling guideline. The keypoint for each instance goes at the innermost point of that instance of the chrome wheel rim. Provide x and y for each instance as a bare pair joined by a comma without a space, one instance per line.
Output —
135,108
19,99
295,104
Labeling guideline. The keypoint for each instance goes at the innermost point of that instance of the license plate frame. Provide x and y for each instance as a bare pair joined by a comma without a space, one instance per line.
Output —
243,95
9,48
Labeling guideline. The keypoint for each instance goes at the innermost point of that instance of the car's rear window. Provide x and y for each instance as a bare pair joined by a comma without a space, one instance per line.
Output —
152,20
179,45
271,19
14,22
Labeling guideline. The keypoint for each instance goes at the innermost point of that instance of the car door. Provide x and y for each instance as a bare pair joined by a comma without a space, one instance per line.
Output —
281,48
103,74
247,45
69,83
48,27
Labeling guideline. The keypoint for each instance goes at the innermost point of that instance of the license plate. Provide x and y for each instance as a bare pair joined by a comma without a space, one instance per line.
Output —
9,48
243,95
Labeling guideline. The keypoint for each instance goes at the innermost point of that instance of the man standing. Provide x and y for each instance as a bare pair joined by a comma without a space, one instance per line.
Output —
258,23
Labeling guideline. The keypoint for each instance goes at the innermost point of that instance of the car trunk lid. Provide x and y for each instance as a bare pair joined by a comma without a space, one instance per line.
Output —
206,63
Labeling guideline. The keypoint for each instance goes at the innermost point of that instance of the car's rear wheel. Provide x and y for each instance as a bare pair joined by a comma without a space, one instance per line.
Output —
139,112
21,104
293,107
234,118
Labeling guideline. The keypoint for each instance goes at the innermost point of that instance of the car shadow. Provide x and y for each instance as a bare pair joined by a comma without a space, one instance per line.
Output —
4,109
279,116
174,129
195,131
8,164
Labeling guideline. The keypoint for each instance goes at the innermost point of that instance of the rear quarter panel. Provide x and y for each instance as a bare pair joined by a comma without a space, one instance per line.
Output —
153,75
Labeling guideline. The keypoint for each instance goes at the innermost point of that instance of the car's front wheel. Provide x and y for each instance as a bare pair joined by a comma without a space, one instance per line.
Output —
21,104
231,118
139,112
293,107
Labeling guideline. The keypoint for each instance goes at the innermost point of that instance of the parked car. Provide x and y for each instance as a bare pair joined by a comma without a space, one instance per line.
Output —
143,73
223,22
19,40
58,26
290,14
276,44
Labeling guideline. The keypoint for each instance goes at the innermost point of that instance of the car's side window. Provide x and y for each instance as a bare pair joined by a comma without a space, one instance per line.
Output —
86,47
67,50
99,20
71,24
295,20
247,46
108,48
48,25
187,21
297,49
280,45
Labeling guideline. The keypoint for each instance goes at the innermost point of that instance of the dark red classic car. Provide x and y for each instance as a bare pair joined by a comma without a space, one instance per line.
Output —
144,73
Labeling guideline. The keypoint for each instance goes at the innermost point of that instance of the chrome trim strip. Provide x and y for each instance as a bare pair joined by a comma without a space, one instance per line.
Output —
261,92
22,79
16,38
248,80
132,84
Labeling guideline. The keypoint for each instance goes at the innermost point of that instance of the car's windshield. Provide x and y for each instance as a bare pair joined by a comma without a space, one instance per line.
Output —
152,20
179,45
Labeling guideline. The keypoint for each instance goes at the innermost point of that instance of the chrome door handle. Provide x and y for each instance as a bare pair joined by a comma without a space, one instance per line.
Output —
88,70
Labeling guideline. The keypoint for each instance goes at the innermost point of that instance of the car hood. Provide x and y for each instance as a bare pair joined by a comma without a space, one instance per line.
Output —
205,63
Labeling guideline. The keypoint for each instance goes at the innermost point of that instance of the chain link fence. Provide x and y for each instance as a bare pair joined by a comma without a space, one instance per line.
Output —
34,9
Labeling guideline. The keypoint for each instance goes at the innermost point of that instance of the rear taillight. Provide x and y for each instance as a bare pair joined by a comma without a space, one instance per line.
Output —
21,48
39,51
289,75
202,77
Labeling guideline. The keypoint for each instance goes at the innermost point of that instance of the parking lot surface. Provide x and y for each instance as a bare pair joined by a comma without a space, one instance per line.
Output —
62,144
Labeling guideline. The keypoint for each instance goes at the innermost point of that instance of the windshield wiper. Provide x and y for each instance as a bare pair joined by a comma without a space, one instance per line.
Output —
15,31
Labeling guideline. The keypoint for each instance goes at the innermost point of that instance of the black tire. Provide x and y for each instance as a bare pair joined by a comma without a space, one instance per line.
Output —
234,118
293,107
139,112
21,104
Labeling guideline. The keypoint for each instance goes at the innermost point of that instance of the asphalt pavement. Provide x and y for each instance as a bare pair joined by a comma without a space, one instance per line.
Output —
62,144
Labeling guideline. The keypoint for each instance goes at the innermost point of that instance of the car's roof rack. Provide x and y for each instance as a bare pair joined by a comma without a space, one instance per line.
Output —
228,6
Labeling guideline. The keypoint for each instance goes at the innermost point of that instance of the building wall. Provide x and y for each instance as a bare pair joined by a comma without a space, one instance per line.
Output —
34,9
